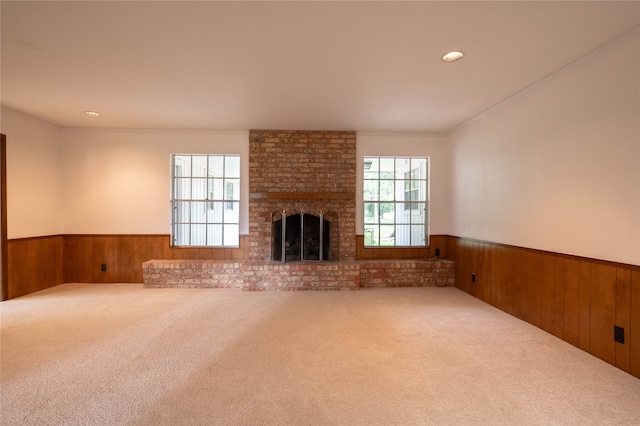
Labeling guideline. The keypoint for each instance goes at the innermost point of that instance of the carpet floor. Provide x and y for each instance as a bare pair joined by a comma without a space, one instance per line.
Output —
118,354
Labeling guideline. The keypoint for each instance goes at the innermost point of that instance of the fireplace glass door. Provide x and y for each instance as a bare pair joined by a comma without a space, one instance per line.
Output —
302,235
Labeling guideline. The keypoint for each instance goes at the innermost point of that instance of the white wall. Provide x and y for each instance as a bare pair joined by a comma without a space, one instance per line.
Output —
34,182
558,166
435,147
118,181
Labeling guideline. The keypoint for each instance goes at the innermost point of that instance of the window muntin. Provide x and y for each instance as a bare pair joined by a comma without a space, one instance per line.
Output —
205,200
395,197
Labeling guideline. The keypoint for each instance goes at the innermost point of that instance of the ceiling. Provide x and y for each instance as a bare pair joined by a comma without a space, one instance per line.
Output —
356,65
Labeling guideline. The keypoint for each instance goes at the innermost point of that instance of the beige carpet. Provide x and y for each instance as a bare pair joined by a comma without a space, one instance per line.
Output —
118,354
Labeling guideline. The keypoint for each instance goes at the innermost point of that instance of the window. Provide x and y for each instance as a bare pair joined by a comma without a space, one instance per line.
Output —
395,201
230,195
205,200
411,188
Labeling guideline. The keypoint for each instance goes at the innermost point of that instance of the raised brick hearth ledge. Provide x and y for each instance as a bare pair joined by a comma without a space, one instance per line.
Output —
340,275
192,273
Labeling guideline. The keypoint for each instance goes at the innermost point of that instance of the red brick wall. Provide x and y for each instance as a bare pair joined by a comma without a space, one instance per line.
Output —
302,161
303,164
407,273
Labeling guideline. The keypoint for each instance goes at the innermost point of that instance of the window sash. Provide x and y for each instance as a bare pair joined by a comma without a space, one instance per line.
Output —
205,200
395,198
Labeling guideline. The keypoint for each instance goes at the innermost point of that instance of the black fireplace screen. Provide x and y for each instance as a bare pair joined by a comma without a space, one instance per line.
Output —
297,235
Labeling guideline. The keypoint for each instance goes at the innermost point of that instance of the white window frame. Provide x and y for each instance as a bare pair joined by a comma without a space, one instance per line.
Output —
217,219
404,226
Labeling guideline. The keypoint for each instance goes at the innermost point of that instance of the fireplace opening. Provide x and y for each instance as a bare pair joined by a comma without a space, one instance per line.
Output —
298,235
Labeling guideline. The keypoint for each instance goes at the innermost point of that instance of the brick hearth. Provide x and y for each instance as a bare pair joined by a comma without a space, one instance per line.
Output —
192,273
407,273
254,275
301,276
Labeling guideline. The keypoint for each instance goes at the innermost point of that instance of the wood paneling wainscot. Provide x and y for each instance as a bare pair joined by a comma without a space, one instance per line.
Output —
576,299
34,264
123,255
634,338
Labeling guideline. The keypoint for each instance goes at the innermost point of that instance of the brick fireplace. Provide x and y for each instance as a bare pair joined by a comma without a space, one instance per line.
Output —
300,172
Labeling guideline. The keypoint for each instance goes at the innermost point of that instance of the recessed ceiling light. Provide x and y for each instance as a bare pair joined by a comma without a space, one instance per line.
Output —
452,56
92,113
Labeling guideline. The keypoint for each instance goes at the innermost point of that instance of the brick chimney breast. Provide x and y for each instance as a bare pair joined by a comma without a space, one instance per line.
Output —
302,170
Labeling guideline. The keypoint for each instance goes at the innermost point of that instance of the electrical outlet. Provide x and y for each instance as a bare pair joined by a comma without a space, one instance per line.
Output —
618,334
103,268
473,277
